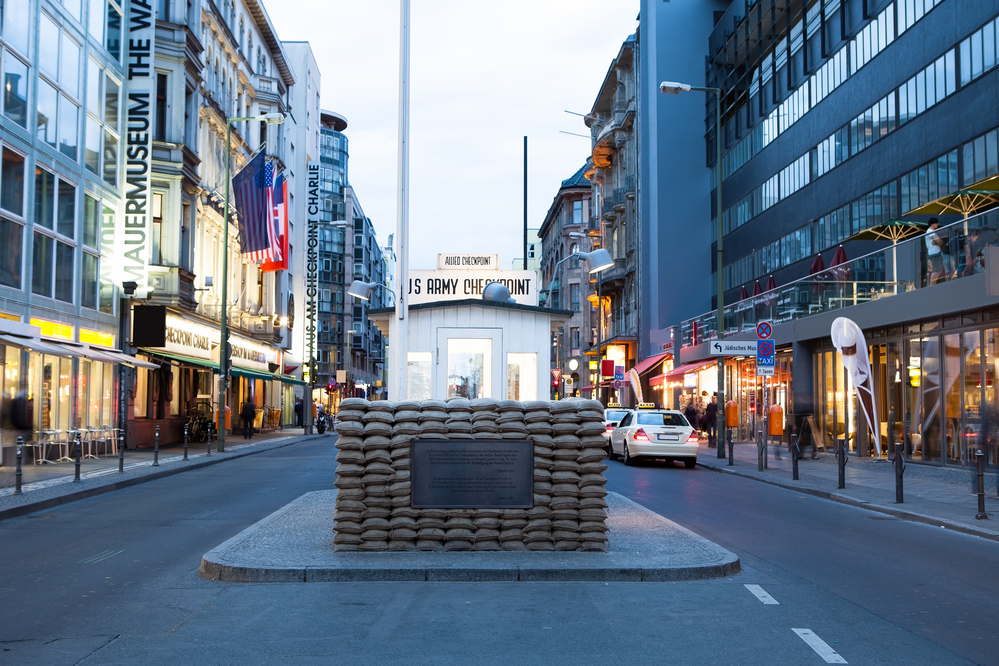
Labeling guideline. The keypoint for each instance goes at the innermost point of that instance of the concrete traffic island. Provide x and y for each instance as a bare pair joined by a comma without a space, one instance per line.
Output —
295,544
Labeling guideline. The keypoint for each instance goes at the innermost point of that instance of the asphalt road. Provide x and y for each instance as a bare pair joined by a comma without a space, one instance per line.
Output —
113,580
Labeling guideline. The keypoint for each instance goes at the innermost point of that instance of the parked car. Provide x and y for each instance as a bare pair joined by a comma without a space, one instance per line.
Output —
654,433
612,416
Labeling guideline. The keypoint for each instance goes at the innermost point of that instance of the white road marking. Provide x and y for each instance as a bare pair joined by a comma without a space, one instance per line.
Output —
761,594
100,557
820,646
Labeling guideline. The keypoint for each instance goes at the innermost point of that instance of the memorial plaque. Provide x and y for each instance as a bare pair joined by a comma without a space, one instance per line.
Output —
472,474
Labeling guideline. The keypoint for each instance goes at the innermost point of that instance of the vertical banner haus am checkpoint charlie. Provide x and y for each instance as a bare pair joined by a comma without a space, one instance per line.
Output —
132,240
312,266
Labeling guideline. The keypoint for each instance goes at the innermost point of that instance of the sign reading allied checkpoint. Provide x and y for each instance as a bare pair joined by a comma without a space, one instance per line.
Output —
472,474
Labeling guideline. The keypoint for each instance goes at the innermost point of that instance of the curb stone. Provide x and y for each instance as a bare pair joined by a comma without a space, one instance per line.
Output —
901,514
100,489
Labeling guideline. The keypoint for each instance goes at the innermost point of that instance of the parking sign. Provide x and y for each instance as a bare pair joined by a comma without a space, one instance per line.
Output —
765,358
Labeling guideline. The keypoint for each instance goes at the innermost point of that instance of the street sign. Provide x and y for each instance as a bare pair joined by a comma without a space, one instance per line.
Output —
765,358
763,330
618,372
732,348
618,384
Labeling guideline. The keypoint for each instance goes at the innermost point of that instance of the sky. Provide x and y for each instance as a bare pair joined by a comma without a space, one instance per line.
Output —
483,76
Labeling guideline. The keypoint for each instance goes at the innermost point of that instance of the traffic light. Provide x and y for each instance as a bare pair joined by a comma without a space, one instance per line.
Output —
227,352
330,386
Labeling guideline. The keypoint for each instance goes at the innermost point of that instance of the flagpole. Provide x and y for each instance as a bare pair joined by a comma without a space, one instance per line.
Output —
224,339
400,345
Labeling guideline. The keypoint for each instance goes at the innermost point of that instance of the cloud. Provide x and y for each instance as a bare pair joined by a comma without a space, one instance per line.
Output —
483,75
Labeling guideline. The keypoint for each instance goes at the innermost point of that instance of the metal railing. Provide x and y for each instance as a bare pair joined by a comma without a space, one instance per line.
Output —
866,278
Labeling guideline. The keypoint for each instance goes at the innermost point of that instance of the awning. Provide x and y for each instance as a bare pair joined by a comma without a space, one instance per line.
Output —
646,365
657,380
684,369
34,344
116,356
266,376
200,362
586,389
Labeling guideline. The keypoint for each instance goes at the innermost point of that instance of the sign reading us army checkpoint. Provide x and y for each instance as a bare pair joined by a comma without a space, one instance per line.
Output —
472,474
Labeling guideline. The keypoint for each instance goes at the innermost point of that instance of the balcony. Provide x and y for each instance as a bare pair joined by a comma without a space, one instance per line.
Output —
876,276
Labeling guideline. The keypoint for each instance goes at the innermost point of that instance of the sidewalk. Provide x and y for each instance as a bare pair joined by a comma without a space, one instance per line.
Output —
933,495
45,486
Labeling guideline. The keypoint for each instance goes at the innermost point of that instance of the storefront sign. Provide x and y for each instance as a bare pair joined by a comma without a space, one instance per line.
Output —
52,329
312,267
196,340
133,245
473,474
10,317
455,285
96,338
468,261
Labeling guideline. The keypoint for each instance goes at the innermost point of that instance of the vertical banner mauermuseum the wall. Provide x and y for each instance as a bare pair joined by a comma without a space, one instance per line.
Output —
140,88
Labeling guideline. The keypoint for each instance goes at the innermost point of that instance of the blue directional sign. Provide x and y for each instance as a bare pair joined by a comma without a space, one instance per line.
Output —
765,358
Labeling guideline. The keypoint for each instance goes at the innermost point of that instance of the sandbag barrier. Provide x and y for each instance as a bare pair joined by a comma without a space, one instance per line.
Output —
373,506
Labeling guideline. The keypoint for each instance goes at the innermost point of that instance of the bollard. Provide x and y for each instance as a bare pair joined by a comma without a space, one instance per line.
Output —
17,472
899,463
79,458
795,455
760,454
730,460
211,430
841,463
185,441
981,515
121,453
156,448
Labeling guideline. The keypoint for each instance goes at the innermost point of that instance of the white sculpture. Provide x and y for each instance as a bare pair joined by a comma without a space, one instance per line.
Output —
850,342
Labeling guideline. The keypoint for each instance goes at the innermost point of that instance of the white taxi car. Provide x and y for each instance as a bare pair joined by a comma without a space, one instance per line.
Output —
612,416
654,433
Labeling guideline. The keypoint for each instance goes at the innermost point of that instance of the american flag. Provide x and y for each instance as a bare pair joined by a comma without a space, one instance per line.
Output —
280,263
253,187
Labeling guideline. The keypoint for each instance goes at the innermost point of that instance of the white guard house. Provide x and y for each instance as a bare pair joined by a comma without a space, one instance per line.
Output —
469,337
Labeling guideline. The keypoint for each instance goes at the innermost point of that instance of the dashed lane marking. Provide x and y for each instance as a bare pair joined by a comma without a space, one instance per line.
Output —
821,648
761,594
100,557
205,514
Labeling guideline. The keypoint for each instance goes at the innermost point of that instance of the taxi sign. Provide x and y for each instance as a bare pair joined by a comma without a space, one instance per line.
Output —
646,405
612,405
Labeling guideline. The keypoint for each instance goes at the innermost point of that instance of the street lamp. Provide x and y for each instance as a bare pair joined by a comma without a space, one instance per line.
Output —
224,349
362,290
674,88
596,261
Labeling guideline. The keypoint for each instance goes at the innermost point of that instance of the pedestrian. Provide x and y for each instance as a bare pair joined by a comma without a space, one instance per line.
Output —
935,245
711,419
248,413
691,413
299,409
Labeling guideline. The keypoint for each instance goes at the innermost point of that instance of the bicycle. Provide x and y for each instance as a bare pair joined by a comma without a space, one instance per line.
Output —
198,424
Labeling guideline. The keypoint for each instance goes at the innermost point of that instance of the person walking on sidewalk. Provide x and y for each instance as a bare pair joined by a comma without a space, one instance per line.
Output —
299,409
248,414
711,420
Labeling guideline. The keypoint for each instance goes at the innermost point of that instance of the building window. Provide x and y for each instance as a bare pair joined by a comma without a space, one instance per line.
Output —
161,108
577,212
55,218
163,10
574,338
574,297
105,26
58,111
101,151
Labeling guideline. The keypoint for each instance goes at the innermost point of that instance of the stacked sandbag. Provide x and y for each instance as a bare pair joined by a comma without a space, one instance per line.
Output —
459,418
373,508
350,501
403,532
483,418
592,494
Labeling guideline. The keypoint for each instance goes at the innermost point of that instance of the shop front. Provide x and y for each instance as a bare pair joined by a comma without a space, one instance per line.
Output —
186,383
934,387
59,380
